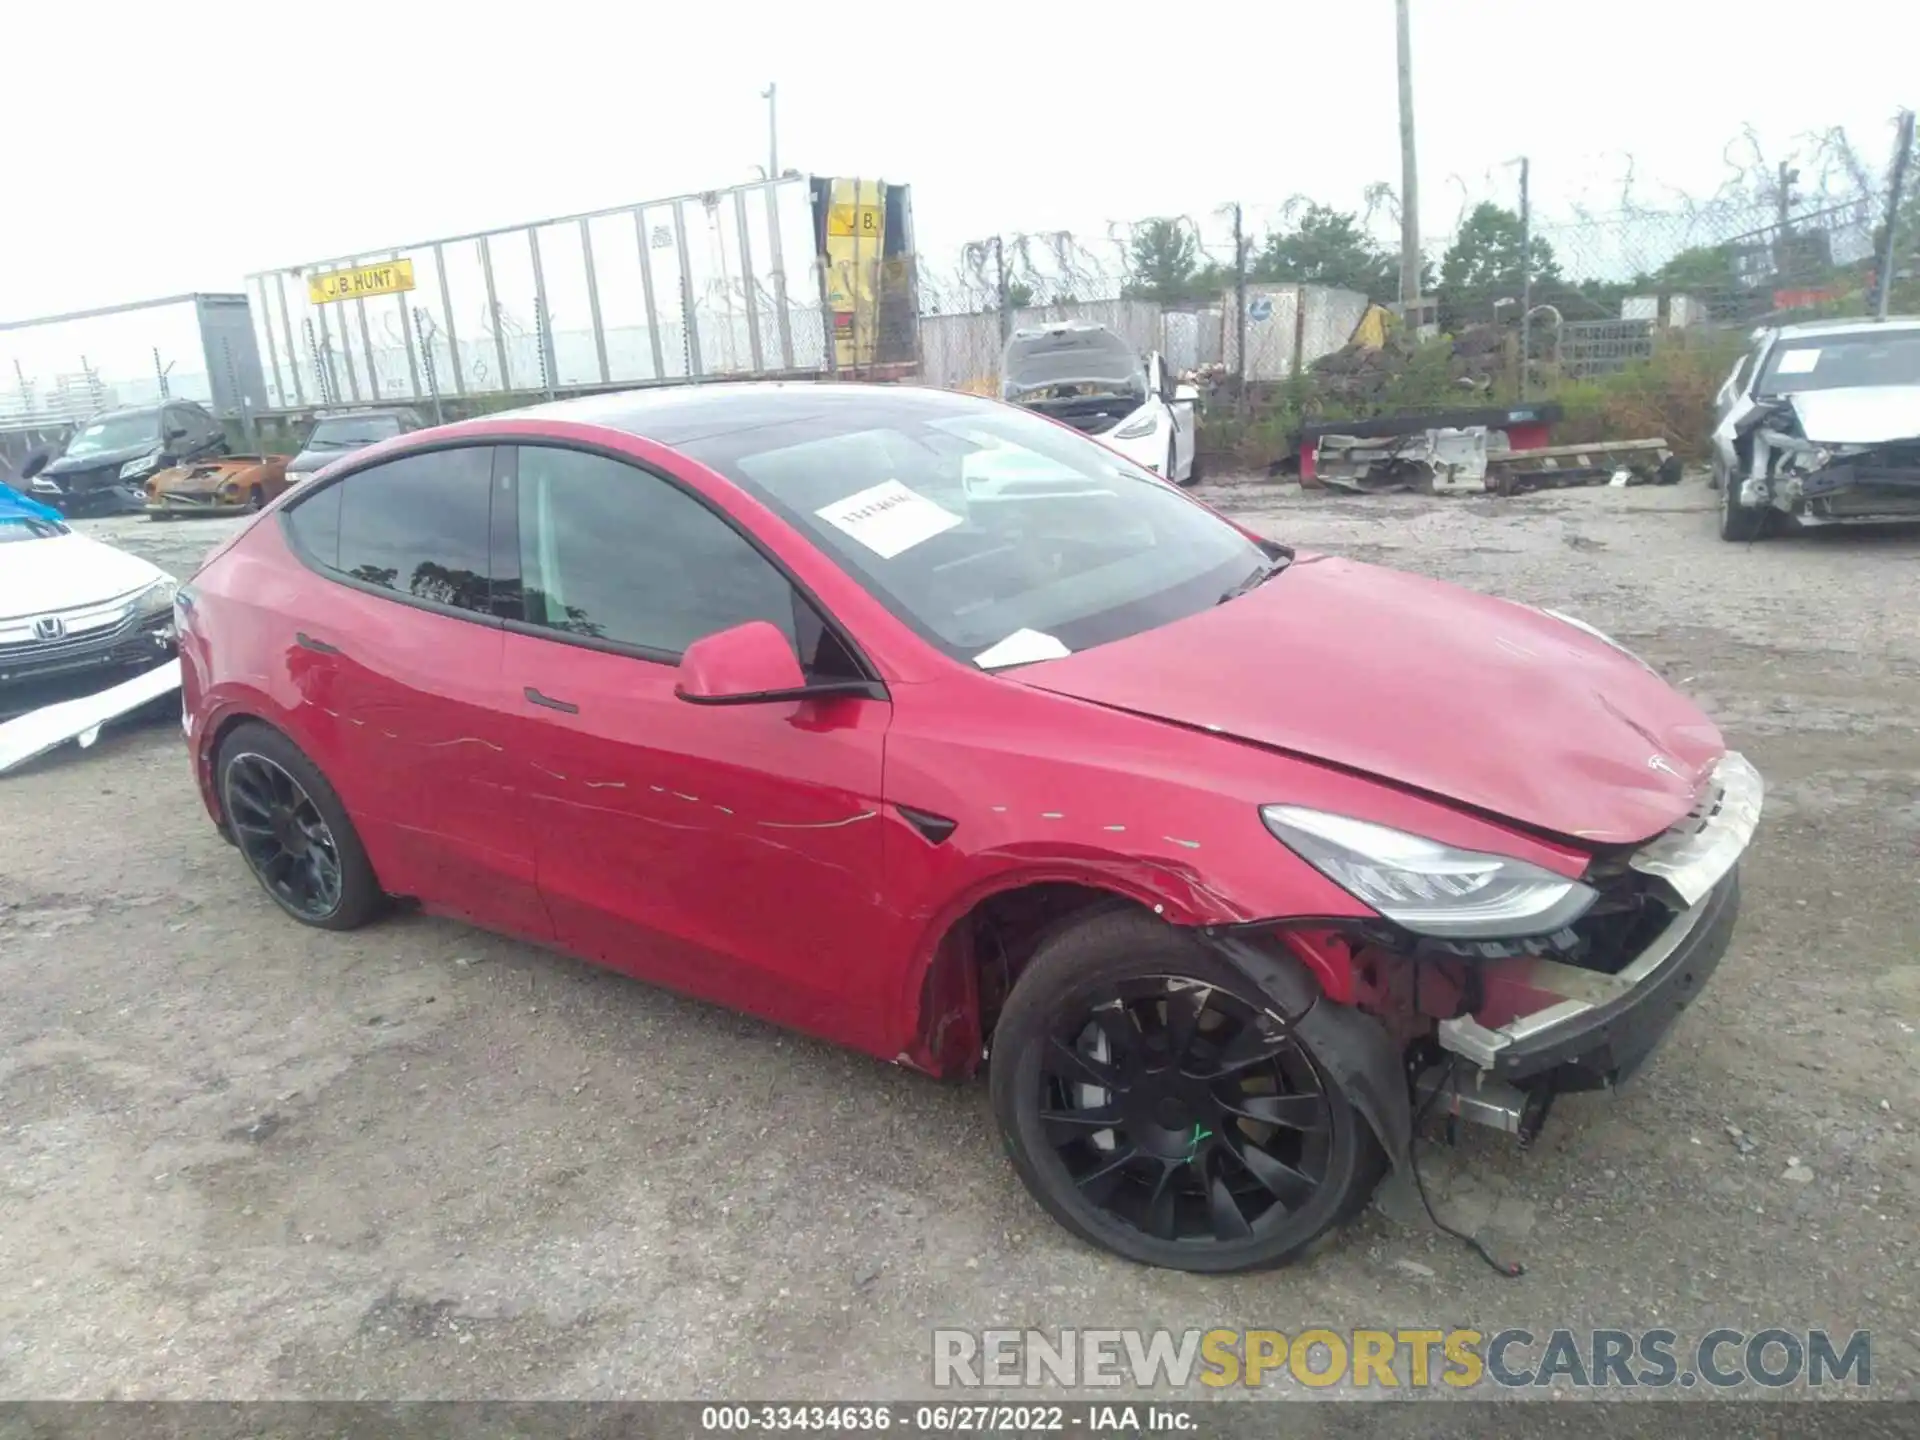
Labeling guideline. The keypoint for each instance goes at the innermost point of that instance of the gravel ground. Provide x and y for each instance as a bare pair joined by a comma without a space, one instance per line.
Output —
243,1159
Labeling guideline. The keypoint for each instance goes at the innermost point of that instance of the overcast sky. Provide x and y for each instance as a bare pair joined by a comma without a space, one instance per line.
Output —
157,149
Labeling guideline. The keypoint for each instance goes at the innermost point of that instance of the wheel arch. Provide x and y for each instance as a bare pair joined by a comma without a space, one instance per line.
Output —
207,758
976,948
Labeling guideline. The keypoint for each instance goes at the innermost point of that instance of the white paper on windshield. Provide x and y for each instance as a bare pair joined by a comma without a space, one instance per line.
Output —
888,518
1022,647
1797,362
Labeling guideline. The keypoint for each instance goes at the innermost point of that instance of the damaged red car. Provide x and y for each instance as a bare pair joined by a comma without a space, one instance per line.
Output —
924,724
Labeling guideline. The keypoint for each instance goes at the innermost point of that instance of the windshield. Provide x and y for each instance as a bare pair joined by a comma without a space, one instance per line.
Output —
1000,537
1061,364
349,432
1842,362
24,519
115,432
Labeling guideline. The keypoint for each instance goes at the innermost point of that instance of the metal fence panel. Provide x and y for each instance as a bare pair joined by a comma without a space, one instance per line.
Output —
694,286
1601,347
66,367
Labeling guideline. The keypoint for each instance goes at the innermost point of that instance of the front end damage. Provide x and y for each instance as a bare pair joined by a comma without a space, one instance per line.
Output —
226,485
1491,1032
1824,481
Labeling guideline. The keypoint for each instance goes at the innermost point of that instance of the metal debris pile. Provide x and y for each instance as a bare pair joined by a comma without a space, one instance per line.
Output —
1479,460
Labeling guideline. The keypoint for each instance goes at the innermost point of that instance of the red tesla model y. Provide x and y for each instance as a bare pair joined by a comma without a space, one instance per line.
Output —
927,725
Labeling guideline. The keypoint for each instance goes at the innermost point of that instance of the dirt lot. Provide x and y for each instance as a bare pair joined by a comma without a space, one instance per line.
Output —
242,1159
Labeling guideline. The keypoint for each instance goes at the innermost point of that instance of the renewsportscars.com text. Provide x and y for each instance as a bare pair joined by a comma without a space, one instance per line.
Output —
1411,1359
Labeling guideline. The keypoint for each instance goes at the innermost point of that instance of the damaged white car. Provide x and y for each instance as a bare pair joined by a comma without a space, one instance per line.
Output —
1088,377
1820,424
86,631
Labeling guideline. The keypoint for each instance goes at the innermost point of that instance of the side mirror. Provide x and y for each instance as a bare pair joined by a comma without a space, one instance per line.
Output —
36,462
751,664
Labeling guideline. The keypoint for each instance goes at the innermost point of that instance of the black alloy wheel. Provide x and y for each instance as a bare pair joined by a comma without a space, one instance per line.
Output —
1156,1106
287,841
1178,1112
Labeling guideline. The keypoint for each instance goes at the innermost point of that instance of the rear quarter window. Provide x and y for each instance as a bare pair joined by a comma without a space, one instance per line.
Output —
416,525
314,526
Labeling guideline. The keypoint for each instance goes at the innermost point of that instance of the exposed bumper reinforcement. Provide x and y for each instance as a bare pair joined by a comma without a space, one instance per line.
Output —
1607,1025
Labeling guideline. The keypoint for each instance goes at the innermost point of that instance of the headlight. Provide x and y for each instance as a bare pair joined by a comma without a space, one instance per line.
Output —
156,598
138,467
1430,888
1142,424
1598,634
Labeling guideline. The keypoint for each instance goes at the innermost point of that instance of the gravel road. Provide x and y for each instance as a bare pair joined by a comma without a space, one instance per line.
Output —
242,1159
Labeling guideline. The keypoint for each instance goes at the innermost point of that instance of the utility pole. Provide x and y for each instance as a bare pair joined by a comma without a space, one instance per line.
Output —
1240,311
1526,278
1783,226
773,133
1409,170
1890,252
1001,290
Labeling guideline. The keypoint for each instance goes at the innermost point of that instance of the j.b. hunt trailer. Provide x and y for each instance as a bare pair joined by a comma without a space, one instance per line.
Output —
796,276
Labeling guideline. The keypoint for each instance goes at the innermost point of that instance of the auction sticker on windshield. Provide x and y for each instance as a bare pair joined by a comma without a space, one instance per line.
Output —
1022,647
1797,362
888,518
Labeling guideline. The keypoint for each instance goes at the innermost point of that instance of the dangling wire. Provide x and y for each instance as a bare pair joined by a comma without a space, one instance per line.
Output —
1513,1270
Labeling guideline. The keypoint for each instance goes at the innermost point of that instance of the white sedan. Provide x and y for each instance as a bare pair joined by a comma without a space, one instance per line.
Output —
72,608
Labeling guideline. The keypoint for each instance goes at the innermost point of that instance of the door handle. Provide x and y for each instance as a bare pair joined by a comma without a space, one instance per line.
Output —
552,704
319,647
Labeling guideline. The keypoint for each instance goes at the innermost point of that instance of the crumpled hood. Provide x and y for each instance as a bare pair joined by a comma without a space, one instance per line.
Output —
100,459
63,571
1477,700
1870,415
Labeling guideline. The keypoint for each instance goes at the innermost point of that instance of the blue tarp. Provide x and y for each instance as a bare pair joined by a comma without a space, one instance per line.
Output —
16,508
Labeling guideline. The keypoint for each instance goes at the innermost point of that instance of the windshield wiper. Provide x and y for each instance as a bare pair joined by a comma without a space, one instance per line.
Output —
1281,558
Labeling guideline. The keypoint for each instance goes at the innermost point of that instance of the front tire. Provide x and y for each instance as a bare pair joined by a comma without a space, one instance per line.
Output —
1740,522
293,831
1156,1107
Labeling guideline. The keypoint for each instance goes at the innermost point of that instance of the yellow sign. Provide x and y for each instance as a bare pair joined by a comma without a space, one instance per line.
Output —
856,241
861,220
395,277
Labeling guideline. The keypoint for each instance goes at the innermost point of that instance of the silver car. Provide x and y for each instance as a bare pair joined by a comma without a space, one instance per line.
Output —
1821,423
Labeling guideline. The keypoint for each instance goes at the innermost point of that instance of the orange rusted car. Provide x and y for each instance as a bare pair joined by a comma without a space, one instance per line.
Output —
219,485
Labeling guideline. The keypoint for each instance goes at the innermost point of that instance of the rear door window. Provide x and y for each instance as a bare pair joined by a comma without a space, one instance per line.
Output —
416,526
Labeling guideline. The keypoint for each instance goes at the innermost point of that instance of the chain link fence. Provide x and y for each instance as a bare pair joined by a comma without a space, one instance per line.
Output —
774,278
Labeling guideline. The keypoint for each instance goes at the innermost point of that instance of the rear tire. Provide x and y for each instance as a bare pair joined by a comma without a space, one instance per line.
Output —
1154,1107
1193,470
293,831
1740,522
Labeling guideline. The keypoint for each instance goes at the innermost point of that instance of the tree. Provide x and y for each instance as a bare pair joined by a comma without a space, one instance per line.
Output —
1705,269
1164,258
1483,264
1328,247
1019,295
